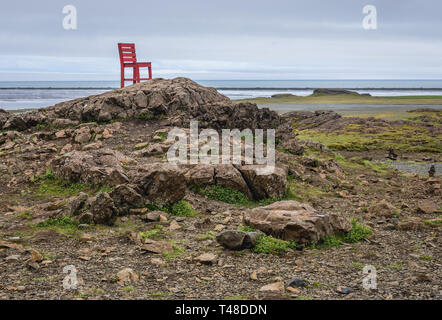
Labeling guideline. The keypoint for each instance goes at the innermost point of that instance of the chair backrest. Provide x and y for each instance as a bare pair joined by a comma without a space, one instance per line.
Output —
127,52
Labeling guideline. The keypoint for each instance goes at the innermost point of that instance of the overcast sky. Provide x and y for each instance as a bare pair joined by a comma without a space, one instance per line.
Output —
207,39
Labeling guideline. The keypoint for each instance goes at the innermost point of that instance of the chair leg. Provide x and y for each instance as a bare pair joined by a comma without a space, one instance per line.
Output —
135,75
122,77
150,73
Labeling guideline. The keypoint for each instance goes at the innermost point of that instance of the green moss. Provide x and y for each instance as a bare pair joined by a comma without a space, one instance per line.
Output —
205,236
270,245
358,232
127,289
26,215
433,222
64,225
224,194
426,258
395,266
162,135
177,252
145,116
150,234
50,185
246,229
399,137
160,294
357,265
183,209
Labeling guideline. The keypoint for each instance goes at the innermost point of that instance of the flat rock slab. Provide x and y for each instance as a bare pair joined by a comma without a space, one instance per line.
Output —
295,221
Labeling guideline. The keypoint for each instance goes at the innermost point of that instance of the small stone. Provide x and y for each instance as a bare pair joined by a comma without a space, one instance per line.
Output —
206,258
158,247
219,227
174,226
14,257
106,134
84,258
254,276
141,145
155,216
36,256
127,275
138,210
157,261
344,290
60,134
273,287
296,283
427,206
299,262
293,290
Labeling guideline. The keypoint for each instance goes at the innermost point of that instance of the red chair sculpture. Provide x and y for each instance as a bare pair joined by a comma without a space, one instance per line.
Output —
128,59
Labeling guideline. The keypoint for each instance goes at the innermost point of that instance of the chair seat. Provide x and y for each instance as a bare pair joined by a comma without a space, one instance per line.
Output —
137,64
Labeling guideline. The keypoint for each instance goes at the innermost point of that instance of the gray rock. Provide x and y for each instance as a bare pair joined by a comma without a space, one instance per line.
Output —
237,240
296,283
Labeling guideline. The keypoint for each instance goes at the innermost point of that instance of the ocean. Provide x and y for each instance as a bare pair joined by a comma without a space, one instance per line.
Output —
15,95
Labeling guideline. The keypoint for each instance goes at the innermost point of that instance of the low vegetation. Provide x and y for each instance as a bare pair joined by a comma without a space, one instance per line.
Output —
181,209
224,194
64,225
399,137
270,245
358,233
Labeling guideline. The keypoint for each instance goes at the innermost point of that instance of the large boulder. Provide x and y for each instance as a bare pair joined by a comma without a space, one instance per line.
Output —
295,221
103,209
161,182
226,175
125,197
247,179
95,167
272,185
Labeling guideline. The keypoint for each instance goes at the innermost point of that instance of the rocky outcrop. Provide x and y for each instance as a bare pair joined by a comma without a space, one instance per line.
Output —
180,100
295,221
247,179
161,183
99,167
264,185
103,209
125,197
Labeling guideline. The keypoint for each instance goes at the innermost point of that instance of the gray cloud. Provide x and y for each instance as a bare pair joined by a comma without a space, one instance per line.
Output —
223,39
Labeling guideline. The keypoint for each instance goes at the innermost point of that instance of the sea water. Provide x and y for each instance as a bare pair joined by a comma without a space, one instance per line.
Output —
15,95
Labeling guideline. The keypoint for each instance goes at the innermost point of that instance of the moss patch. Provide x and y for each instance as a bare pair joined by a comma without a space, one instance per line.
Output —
224,194
271,245
399,137
64,225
